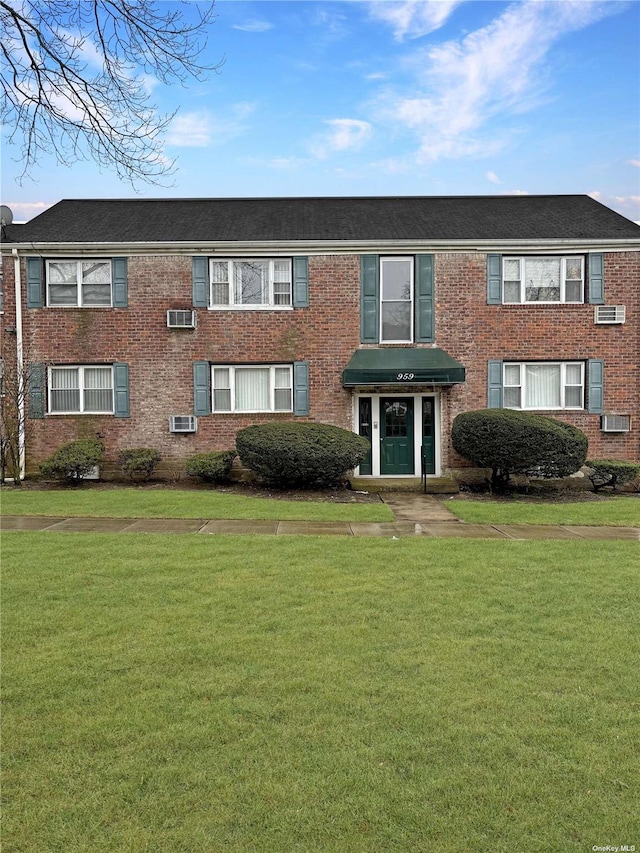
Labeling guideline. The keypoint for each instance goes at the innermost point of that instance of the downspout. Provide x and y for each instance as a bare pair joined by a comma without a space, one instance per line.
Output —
20,366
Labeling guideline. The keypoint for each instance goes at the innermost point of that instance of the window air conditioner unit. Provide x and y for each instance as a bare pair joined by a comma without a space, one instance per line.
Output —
615,423
181,319
183,423
610,314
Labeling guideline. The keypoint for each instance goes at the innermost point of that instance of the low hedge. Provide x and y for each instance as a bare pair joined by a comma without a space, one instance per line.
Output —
73,461
289,454
139,462
213,467
611,472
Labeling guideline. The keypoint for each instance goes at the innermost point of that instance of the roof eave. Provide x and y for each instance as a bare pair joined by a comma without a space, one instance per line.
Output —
311,247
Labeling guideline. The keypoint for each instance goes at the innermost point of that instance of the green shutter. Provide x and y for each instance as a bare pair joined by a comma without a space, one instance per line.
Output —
300,283
301,388
596,386
121,390
119,282
200,280
424,299
34,283
369,299
201,388
36,390
596,279
494,279
494,385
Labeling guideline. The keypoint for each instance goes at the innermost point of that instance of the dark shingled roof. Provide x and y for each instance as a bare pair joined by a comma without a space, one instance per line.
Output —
571,217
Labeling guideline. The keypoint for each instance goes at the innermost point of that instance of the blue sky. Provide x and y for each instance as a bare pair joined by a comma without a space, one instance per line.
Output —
395,98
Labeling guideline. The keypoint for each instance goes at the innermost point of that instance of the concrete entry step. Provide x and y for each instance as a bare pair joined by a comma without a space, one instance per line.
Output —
435,485
423,509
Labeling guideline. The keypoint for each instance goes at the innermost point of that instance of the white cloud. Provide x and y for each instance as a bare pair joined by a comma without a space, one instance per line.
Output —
491,176
635,163
465,86
200,129
344,134
25,210
190,130
413,18
331,24
254,26
627,205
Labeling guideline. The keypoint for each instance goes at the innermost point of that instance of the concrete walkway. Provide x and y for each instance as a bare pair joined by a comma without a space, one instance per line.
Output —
415,515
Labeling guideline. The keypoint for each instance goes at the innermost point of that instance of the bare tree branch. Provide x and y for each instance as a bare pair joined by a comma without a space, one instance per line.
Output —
75,78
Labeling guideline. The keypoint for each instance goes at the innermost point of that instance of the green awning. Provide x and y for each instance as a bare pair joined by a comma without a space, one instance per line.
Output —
402,366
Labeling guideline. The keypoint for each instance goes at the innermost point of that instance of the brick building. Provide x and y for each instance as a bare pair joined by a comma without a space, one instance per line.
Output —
173,323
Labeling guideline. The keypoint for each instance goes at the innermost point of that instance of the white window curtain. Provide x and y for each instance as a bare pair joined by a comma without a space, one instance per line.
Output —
542,386
282,393
252,390
282,283
98,394
573,386
512,398
65,390
221,390
220,283
512,280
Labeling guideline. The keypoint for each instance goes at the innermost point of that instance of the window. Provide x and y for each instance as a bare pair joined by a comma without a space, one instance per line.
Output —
256,283
85,390
396,300
543,385
83,283
255,388
539,280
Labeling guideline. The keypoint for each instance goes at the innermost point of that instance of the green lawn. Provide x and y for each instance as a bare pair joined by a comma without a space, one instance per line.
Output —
193,694
610,512
172,503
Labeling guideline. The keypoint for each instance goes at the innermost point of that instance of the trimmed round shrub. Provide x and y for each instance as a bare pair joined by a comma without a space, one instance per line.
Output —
139,462
511,442
611,472
211,467
310,455
73,461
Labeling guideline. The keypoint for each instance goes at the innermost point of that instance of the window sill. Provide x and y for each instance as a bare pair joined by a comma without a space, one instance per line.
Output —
254,412
250,307
533,304
557,409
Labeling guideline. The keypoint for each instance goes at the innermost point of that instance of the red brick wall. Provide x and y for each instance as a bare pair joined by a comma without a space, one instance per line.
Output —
161,360
325,334
474,332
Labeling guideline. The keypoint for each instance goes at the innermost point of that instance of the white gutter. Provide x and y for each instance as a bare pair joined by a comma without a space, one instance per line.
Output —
324,247
20,377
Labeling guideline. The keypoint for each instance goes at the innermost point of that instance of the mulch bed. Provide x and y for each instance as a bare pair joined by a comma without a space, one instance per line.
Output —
532,492
337,495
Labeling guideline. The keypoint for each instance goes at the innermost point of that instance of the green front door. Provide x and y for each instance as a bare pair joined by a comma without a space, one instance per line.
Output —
396,435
